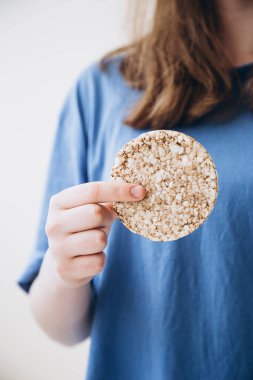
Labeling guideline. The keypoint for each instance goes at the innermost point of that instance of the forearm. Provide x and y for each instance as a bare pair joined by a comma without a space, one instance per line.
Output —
77,226
62,312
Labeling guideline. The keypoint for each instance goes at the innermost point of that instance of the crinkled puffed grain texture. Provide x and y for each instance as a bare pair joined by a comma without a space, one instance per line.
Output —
180,179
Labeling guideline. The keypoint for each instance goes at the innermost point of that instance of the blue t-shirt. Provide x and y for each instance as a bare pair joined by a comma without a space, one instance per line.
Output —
180,310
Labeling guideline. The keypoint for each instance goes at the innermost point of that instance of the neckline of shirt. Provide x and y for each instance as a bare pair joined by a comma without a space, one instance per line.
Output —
243,68
243,72
244,65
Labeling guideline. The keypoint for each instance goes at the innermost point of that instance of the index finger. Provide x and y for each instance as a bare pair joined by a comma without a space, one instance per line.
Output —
99,192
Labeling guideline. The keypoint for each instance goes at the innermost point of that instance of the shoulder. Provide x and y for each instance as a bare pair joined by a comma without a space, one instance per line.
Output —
103,92
92,89
93,78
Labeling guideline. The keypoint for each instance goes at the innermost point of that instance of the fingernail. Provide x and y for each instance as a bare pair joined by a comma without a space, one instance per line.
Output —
137,191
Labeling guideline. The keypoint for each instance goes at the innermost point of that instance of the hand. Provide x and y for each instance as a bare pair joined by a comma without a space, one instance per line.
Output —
78,222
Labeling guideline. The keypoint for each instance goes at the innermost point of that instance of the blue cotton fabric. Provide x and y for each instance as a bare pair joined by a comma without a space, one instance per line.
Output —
179,310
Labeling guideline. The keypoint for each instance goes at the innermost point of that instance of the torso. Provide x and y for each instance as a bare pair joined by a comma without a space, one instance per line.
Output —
182,309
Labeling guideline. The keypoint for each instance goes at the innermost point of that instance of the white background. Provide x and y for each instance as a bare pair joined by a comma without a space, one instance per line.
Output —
44,44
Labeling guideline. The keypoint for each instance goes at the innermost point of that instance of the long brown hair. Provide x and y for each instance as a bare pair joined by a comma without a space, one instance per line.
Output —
179,64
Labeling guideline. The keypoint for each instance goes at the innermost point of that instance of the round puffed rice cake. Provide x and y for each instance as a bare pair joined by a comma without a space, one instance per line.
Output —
180,179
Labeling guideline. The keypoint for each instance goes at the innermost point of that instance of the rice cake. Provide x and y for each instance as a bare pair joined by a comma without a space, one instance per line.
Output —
180,179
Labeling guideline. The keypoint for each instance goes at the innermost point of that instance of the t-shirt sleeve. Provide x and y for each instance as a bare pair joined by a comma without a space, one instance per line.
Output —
67,167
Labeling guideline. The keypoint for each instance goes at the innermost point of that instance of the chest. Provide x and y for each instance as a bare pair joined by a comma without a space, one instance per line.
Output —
230,144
